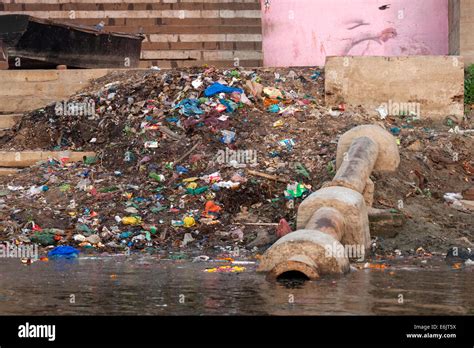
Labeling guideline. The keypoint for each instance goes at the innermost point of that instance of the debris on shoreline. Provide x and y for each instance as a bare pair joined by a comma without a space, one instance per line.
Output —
208,159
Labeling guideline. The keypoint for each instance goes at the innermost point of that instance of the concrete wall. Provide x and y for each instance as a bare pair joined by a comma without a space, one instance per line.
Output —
401,84
304,32
467,30
178,33
25,90
454,27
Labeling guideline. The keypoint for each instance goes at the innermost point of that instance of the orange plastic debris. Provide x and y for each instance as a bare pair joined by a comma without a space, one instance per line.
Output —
226,259
211,207
376,265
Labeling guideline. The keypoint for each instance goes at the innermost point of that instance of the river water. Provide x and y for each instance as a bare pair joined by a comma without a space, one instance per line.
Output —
145,285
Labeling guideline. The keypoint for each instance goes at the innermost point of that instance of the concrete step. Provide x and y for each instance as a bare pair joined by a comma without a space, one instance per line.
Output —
22,159
170,64
25,90
8,121
9,171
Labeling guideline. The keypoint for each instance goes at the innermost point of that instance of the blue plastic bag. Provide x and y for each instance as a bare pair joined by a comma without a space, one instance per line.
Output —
181,169
230,105
189,107
217,88
63,251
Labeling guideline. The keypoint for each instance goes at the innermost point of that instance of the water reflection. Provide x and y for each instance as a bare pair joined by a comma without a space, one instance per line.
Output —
135,286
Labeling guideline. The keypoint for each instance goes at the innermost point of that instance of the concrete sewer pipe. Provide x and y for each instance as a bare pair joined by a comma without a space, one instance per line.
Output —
334,219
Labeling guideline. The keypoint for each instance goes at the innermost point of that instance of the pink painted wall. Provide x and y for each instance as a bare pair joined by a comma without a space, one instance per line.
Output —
304,32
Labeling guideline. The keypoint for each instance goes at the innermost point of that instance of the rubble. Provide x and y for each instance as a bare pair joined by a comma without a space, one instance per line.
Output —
191,159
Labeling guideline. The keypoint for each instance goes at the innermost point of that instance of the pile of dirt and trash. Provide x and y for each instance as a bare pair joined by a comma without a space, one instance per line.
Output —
206,159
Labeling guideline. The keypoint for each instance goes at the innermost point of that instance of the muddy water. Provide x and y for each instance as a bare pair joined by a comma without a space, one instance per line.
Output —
143,285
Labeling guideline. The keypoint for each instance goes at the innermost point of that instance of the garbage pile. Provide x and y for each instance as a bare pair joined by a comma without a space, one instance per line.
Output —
206,159
190,157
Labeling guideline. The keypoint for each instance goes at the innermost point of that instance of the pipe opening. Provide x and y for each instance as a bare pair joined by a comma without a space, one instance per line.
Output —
292,276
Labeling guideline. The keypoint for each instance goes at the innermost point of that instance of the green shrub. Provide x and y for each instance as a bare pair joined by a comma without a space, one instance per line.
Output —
469,86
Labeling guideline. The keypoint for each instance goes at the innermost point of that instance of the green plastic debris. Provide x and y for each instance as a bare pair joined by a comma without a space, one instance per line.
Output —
295,190
84,229
90,160
45,238
197,191
108,189
235,73
157,177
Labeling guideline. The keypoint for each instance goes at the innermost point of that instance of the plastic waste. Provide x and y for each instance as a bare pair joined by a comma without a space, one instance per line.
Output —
274,108
131,220
272,92
189,221
157,177
63,251
295,190
217,88
189,107
288,143
187,239
228,137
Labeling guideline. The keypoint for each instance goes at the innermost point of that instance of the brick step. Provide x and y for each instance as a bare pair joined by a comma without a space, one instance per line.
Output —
199,37
188,29
126,1
23,159
170,64
143,14
202,46
8,121
125,6
164,21
202,55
